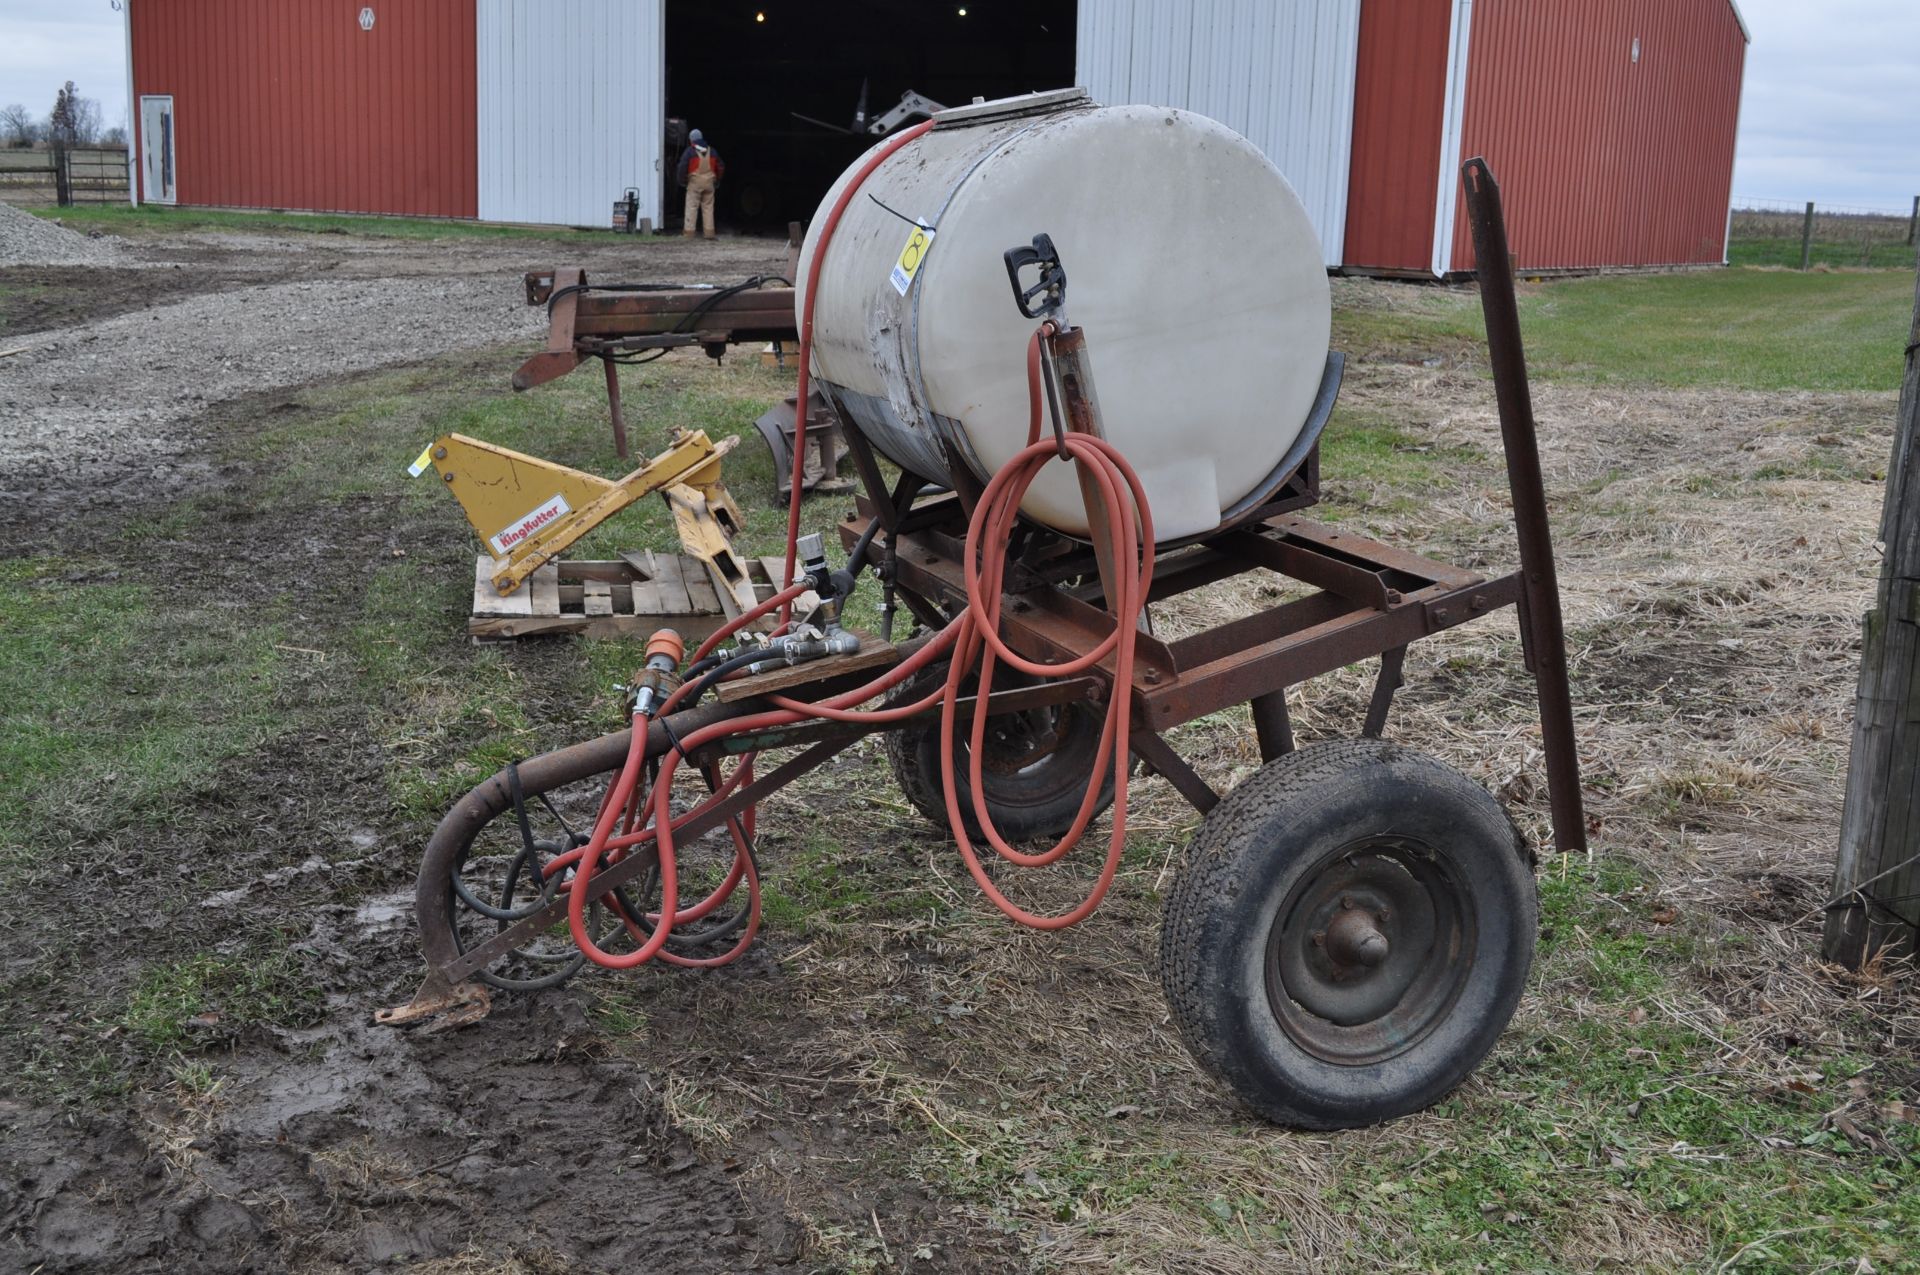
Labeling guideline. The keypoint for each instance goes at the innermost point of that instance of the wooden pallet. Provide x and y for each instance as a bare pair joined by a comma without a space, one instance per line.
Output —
630,596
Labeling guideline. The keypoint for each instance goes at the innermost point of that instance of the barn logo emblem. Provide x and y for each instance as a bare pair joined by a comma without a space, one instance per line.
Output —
366,18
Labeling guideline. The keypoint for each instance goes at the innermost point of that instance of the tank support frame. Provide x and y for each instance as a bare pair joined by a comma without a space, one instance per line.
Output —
1367,600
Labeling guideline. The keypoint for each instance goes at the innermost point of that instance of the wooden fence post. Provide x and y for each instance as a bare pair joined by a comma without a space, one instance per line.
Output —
1875,906
1913,223
1806,238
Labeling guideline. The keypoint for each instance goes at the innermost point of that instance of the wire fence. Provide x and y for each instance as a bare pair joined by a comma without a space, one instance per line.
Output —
68,175
1772,232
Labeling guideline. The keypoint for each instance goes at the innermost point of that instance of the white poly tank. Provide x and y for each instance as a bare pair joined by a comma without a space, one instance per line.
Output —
1190,265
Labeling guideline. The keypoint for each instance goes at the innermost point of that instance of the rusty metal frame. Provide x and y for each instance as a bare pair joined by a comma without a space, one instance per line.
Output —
610,325
1372,600
448,967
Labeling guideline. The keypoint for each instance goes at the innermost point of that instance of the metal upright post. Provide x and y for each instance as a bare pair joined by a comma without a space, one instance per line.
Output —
1806,238
613,407
62,174
1070,373
1540,615
1913,222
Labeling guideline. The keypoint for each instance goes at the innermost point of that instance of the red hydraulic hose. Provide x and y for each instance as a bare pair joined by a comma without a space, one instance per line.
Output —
624,786
580,894
801,386
1130,533
971,637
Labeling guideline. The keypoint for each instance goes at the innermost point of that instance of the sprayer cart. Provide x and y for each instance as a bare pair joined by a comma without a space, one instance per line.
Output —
1355,922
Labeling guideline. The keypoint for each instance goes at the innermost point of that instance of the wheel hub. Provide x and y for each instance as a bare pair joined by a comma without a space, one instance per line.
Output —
1369,951
1354,938
1020,740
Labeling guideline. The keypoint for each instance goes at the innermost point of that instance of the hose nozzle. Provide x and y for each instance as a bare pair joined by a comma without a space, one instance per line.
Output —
810,551
661,676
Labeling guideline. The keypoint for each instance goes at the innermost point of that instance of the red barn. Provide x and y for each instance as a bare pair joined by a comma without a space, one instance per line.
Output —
1609,124
313,105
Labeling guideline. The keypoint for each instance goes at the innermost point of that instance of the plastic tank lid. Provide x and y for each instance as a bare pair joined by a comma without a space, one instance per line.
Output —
1007,108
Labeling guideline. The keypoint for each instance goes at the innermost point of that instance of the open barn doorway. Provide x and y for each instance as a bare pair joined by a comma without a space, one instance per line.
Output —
775,84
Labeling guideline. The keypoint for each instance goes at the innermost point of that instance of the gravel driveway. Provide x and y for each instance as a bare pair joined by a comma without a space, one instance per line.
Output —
87,407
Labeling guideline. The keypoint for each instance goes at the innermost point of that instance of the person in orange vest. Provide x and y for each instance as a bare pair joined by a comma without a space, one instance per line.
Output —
700,171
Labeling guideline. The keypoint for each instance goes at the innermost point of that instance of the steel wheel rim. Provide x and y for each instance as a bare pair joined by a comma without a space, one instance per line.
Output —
1371,950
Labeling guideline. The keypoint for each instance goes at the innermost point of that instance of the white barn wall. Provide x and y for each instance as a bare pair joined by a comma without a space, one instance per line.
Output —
1281,74
571,108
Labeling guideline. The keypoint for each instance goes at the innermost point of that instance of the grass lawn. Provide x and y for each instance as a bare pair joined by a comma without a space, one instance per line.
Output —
1785,251
1736,328
126,219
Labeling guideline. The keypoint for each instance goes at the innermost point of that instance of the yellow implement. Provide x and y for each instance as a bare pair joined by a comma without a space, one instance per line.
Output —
705,518
528,510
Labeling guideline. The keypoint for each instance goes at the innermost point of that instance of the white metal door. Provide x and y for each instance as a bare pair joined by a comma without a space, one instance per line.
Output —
571,108
156,149
1280,75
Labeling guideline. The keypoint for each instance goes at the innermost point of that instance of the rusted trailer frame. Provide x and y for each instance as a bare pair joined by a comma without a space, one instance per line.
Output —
1367,600
614,322
1373,601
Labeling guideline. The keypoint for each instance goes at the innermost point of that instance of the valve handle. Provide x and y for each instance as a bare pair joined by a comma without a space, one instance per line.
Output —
1052,282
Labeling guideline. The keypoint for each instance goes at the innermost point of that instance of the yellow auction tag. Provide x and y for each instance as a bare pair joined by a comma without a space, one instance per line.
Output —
910,258
422,465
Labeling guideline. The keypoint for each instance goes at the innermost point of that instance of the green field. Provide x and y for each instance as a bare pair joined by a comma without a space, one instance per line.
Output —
1785,251
1736,328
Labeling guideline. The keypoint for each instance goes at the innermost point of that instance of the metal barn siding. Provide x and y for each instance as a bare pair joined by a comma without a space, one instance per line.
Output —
292,104
1282,75
1399,122
1610,126
572,108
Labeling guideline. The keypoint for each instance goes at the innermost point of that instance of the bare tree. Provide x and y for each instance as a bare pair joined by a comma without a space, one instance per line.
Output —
18,125
75,120
86,120
115,136
60,122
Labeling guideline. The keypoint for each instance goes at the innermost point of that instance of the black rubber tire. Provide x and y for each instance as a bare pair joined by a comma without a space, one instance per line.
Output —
1307,819
1034,804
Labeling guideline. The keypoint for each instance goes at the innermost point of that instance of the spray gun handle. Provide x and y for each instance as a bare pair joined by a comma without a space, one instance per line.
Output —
1052,283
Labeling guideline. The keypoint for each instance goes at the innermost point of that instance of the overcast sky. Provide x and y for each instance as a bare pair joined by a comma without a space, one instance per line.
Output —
1830,113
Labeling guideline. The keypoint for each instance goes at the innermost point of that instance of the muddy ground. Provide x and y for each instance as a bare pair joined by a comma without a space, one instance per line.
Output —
336,1146
893,1079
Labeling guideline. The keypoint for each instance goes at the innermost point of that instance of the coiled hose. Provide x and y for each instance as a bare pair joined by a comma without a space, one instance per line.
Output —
971,639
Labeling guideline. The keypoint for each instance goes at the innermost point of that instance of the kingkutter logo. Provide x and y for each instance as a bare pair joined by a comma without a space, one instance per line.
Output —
523,528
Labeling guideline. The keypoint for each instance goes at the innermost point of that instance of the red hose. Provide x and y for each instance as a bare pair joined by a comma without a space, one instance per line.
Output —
1130,533
972,636
801,381
621,793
